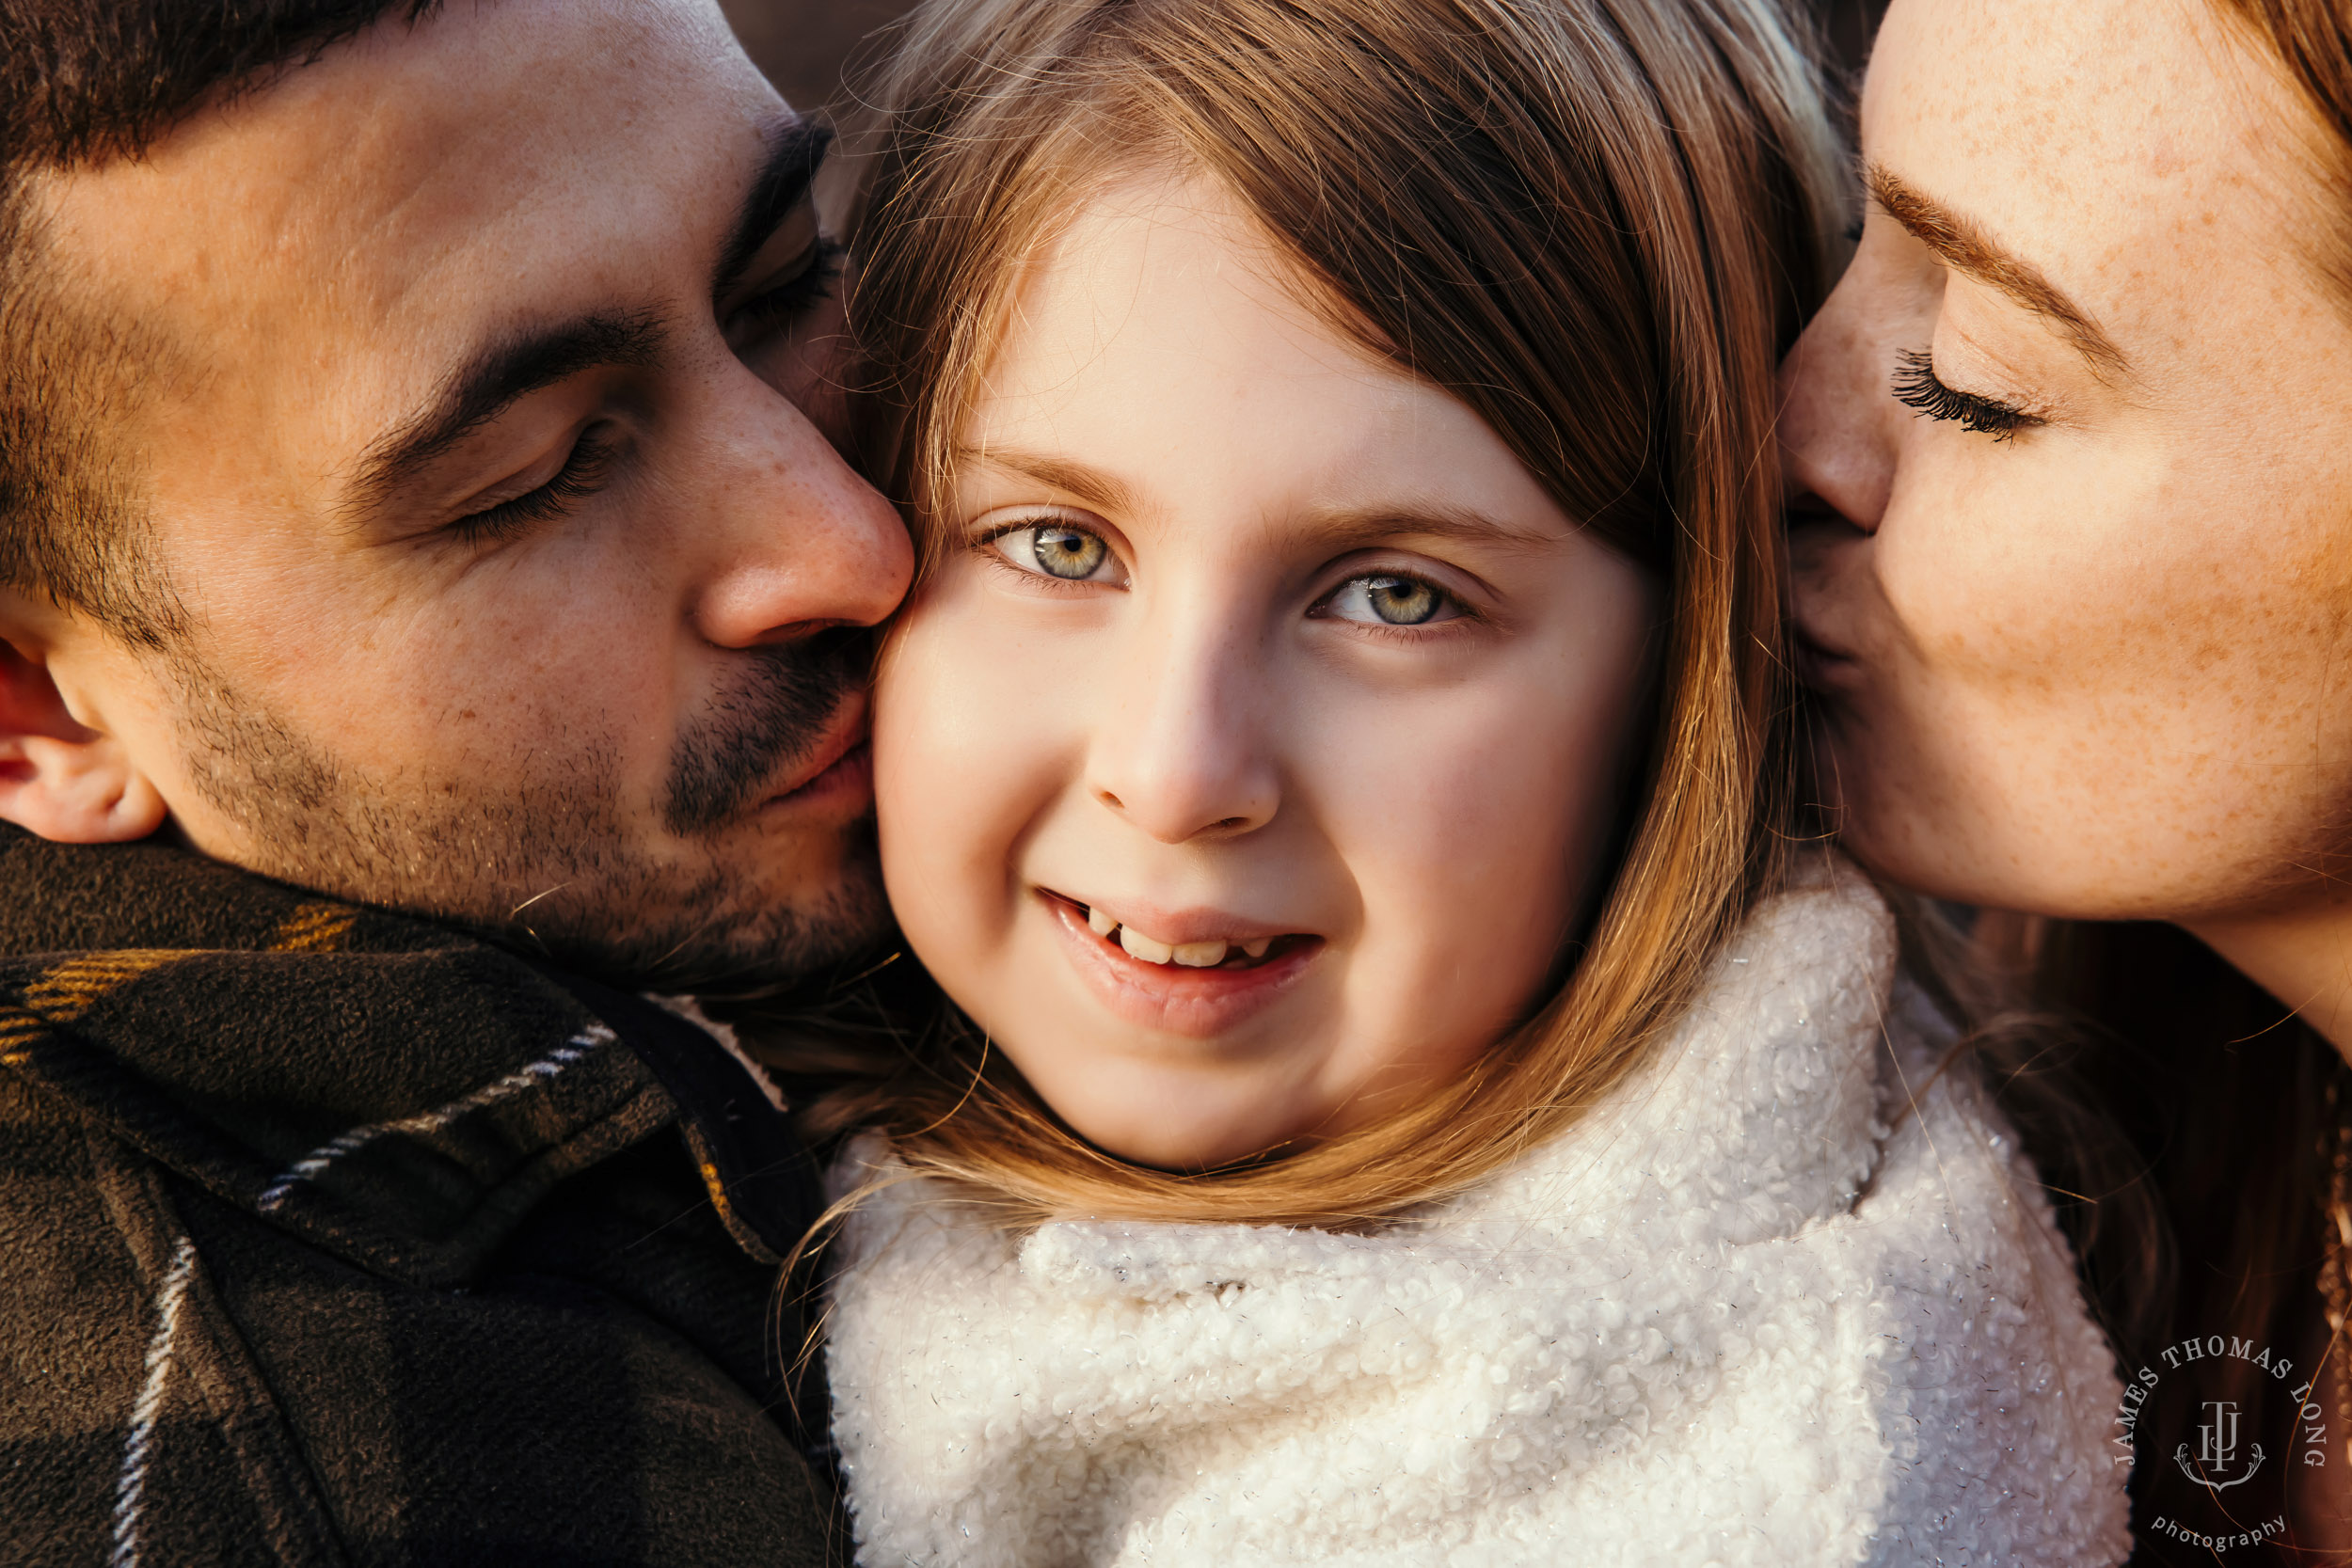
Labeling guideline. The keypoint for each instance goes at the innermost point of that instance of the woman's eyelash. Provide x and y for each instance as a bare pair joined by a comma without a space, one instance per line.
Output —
583,474
797,294
1917,385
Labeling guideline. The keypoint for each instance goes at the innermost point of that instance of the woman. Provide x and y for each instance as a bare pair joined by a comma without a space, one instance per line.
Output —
2073,569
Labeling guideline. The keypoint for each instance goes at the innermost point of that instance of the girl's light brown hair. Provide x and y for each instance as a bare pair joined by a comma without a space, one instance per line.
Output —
1596,222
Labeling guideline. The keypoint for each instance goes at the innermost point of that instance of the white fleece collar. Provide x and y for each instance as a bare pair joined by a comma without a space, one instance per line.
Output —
1681,1333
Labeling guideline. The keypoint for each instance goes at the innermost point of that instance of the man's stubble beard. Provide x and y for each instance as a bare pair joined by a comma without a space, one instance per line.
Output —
547,863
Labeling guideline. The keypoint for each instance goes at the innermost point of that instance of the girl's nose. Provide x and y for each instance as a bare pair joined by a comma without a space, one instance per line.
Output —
1837,424
1183,750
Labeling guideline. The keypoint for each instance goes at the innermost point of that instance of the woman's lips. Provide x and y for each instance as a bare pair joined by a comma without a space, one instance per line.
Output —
1199,1002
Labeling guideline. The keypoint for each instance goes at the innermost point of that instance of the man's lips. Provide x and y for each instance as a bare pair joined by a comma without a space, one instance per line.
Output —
842,759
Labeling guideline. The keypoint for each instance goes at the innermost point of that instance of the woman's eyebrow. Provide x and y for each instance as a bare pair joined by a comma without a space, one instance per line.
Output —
1966,247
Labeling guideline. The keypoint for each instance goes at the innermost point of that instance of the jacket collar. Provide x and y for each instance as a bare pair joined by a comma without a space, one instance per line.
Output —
395,1092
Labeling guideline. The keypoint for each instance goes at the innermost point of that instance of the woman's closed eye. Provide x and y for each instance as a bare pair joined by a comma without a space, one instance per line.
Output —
1918,386
1058,549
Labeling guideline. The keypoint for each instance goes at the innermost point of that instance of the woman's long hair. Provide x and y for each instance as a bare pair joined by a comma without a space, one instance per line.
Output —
1597,223
2229,1105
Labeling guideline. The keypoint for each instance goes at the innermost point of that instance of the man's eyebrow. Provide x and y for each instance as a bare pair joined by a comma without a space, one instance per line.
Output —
1967,248
490,383
796,151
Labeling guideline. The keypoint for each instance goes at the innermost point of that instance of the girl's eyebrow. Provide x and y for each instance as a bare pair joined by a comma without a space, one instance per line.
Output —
1341,527
1104,492
1360,527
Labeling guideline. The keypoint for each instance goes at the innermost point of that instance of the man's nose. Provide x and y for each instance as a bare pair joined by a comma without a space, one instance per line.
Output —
1837,452
796,541
1181,753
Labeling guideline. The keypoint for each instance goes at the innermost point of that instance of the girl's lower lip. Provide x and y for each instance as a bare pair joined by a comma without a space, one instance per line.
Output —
1817,667
1199,1003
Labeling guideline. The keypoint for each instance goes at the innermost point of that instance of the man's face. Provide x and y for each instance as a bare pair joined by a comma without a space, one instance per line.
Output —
521,588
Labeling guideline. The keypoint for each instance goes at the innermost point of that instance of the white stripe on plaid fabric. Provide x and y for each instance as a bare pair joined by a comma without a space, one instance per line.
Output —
555,1061
131,1485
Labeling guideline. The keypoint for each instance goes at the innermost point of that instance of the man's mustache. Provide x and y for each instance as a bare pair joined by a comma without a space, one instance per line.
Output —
775,713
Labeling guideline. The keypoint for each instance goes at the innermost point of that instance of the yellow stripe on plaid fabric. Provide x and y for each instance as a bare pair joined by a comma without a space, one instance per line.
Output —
717,1189
71,989
314,928
18,1029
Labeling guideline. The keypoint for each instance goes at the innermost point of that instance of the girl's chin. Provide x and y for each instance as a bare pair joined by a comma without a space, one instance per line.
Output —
1192,1130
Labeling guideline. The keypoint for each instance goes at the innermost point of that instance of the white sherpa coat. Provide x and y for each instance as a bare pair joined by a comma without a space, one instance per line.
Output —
1762,1308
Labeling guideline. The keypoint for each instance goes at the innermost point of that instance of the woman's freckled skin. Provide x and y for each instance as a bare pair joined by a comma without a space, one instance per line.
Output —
2098,669
1418,809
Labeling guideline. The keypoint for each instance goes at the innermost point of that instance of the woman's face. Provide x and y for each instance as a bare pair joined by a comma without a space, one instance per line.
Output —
2078,586
1245,764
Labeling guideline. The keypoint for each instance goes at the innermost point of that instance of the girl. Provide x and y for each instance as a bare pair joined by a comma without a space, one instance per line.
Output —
1402,1102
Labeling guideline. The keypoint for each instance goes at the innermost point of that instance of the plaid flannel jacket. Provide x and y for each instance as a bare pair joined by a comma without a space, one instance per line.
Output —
332,1237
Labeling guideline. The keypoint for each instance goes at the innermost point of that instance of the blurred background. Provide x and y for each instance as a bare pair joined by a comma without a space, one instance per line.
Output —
805,45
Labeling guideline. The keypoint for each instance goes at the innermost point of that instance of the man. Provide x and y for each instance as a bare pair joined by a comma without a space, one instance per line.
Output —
430,617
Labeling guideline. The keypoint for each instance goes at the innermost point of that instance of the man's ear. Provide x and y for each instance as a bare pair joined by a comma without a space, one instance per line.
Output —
59,777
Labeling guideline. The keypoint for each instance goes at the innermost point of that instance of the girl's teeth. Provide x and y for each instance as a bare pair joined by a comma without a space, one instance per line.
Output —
1140,946
1191,955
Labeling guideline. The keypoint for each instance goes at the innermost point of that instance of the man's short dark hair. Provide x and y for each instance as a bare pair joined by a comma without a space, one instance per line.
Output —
84,82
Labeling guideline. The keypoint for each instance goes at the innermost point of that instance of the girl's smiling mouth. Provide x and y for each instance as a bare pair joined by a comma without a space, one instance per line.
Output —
1207,976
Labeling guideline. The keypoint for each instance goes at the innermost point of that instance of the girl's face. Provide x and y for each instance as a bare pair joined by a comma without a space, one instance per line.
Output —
1246,764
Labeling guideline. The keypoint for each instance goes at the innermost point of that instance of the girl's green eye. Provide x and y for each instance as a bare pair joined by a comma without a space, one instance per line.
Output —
1387,600
1068,552
1057,551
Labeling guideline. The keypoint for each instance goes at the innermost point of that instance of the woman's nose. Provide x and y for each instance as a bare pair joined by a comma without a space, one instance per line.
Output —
1183,751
